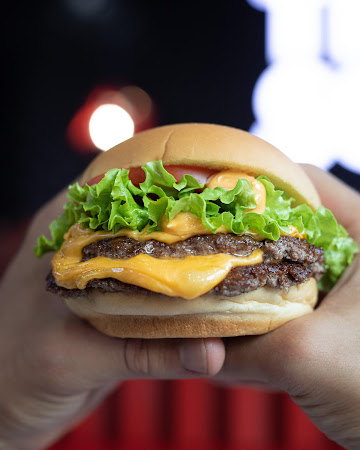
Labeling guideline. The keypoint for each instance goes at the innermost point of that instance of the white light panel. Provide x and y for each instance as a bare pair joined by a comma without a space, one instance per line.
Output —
307,101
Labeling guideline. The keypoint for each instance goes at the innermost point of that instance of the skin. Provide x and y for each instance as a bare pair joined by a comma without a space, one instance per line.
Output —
56,368
316,358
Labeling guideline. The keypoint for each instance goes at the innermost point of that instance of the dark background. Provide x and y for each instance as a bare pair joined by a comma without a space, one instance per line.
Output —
198,62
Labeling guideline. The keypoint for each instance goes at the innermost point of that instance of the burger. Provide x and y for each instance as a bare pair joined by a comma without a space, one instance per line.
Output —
193,230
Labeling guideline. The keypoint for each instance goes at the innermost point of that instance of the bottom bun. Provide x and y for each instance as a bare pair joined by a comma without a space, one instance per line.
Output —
159,316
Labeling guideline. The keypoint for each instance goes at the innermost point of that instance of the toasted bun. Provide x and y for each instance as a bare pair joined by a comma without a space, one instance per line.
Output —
158,316
212,146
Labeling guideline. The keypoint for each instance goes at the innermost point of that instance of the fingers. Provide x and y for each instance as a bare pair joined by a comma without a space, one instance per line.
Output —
265,360
288,358
202,355
335,195
74,356
252,360
245,357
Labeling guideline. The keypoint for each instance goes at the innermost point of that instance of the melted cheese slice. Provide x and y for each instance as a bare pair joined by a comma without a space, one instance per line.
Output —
188,277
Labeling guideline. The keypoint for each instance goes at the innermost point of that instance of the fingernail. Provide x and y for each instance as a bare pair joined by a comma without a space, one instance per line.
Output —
193,355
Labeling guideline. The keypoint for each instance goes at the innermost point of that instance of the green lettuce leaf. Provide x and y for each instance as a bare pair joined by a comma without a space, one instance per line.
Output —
115,203
57,229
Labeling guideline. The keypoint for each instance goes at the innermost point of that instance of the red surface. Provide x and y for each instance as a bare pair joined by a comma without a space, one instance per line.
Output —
249,418
181,415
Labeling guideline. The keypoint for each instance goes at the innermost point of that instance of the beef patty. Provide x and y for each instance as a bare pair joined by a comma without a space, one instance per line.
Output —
286,262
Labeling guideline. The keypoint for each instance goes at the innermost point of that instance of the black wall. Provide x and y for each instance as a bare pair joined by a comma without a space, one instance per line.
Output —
197,61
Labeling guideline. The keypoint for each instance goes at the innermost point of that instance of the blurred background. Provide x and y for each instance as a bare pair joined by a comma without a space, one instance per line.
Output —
79,76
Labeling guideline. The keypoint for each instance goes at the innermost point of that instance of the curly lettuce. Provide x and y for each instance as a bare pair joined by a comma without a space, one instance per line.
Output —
115,203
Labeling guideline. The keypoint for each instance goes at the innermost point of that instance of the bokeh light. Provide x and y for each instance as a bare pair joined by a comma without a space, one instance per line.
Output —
131,102
109,125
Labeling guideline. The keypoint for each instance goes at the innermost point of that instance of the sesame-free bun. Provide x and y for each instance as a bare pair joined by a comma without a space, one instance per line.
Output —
213,146
159,316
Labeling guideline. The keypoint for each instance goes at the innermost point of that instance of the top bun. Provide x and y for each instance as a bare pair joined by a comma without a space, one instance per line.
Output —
214,146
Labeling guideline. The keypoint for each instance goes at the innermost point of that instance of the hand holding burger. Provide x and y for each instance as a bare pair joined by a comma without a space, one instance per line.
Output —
57,368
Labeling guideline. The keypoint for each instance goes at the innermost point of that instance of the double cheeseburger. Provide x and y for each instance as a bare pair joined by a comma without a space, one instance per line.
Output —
193,230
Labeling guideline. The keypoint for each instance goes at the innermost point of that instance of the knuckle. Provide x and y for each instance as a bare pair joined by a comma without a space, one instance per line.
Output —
142,358
300,351
136,357
50,361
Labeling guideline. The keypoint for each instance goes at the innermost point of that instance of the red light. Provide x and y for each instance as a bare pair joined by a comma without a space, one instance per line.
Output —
109,125
131,99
